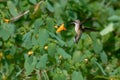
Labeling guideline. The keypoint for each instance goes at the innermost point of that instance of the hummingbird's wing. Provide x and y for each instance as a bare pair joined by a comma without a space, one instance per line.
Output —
88,29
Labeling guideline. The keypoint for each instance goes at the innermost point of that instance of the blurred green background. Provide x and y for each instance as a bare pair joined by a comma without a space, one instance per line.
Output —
30,48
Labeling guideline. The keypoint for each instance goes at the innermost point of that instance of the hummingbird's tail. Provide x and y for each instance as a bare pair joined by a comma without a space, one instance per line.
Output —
77,38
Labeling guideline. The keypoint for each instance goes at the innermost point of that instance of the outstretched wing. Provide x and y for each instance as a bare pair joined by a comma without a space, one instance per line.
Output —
89,29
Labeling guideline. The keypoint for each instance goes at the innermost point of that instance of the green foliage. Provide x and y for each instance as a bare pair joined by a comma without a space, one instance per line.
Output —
12,8
31,49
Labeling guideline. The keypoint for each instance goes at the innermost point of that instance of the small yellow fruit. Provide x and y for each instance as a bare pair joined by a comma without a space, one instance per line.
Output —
46,47
30,52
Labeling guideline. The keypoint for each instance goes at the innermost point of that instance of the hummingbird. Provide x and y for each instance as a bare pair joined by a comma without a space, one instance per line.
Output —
79,29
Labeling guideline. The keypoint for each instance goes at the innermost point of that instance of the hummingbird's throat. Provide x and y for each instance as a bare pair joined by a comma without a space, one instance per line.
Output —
77,27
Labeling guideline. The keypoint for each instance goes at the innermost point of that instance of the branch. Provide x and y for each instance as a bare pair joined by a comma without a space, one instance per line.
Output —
19,16
26,12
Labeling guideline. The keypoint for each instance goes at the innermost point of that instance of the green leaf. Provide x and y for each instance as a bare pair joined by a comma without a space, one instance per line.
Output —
1,77
101,68
42,37
77,56
29,64
103,57
71,14
107,29
51,49
35,40
1,43
70,42
10,27
12,50
42,62
4,34
114,18
61,42
50,24
50,7
7,30
116,71
18,73
33,1
12,8
38,22
59,76
77,76
11,69
97,46
27,43
64,54
93,36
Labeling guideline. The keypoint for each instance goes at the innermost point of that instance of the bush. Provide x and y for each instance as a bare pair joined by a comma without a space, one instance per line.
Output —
31,47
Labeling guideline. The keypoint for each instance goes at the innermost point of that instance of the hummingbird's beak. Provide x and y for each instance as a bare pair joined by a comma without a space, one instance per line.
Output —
72,23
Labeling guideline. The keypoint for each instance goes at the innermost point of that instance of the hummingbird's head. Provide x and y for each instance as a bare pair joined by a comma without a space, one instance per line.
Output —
76,22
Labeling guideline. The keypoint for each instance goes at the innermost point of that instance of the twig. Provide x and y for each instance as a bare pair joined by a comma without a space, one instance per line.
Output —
19,16
22,14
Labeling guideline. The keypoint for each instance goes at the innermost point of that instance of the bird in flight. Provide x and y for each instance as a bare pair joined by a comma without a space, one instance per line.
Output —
79,29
